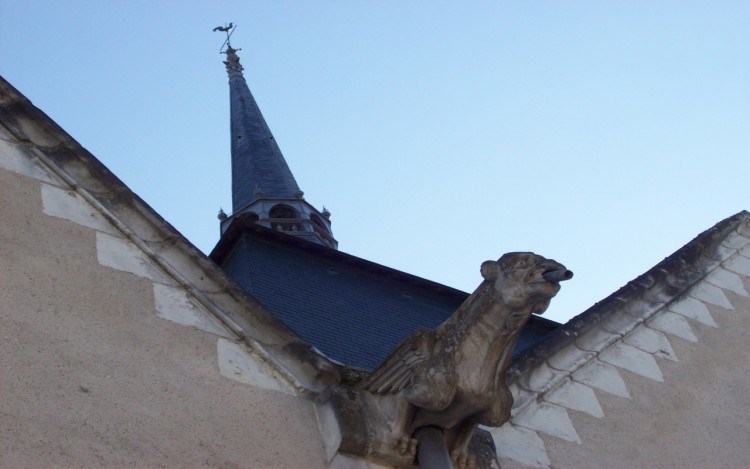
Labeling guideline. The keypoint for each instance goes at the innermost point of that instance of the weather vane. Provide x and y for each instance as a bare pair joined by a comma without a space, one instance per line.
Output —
229,30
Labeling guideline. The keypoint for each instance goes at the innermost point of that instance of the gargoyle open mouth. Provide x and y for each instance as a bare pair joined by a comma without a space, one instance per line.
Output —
557,276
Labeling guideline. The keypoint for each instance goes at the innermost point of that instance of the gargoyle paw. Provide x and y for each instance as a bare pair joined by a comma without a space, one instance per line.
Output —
463,460
407,446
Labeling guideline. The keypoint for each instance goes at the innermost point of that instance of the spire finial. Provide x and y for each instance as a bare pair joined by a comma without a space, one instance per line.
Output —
234,68
229,29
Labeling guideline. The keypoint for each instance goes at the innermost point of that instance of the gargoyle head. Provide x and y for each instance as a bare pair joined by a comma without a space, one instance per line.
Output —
525,279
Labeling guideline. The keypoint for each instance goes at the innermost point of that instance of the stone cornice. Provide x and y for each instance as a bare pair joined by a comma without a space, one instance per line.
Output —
625,331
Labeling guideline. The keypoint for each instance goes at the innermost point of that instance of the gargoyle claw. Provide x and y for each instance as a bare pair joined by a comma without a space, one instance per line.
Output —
407,446
463,460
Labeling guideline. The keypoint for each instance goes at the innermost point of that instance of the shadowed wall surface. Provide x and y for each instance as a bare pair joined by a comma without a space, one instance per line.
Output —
91,376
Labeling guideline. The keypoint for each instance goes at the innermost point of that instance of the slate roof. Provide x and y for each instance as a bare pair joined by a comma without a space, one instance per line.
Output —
257,162
354,311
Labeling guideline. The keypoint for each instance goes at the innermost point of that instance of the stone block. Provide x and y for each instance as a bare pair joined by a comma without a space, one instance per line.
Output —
521,397
727,280
540,379
121,254
596,339
238,364
672,323
735,241
632,359
709,293
739,265
641,308
693,308
720,254
576,396
173,304
329,428
602,376
70,206
520,445
651,341
15,158
744,230
619,322
569,358
550,419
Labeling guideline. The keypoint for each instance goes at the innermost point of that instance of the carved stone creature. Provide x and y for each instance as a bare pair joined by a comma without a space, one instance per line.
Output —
453,377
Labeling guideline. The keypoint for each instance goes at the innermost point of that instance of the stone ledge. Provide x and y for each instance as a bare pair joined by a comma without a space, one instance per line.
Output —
644,297
627,330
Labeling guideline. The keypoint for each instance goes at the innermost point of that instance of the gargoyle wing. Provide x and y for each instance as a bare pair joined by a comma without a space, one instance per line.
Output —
398,370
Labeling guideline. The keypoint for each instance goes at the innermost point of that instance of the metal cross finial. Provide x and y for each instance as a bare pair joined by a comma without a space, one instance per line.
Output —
226,29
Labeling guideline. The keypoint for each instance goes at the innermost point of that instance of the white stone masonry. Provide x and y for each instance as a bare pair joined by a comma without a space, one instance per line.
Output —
633,341
171,301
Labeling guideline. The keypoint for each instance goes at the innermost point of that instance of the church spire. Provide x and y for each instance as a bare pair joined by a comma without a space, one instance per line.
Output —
263,186
258,167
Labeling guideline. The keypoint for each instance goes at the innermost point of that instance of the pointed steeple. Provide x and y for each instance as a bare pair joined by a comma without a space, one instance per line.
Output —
257,162
263,186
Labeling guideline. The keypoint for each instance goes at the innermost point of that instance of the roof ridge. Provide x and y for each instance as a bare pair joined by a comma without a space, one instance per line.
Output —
544,366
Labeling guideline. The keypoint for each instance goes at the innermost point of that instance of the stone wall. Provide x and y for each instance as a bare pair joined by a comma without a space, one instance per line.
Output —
107,360
643,389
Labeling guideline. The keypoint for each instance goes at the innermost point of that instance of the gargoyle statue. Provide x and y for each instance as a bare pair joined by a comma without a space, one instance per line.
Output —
453,378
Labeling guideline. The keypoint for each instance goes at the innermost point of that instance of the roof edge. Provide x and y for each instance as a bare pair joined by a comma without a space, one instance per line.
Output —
306,370
644,296
243,225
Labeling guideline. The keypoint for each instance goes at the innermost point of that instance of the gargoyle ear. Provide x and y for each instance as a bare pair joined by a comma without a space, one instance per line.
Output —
489,270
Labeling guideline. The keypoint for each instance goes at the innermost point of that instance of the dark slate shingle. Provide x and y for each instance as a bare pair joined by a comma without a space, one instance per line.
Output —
352,315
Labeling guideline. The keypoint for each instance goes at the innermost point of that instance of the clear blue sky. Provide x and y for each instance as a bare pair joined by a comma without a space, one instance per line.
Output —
604,134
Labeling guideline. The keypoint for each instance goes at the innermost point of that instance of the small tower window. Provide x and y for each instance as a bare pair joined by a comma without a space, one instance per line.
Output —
281,212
